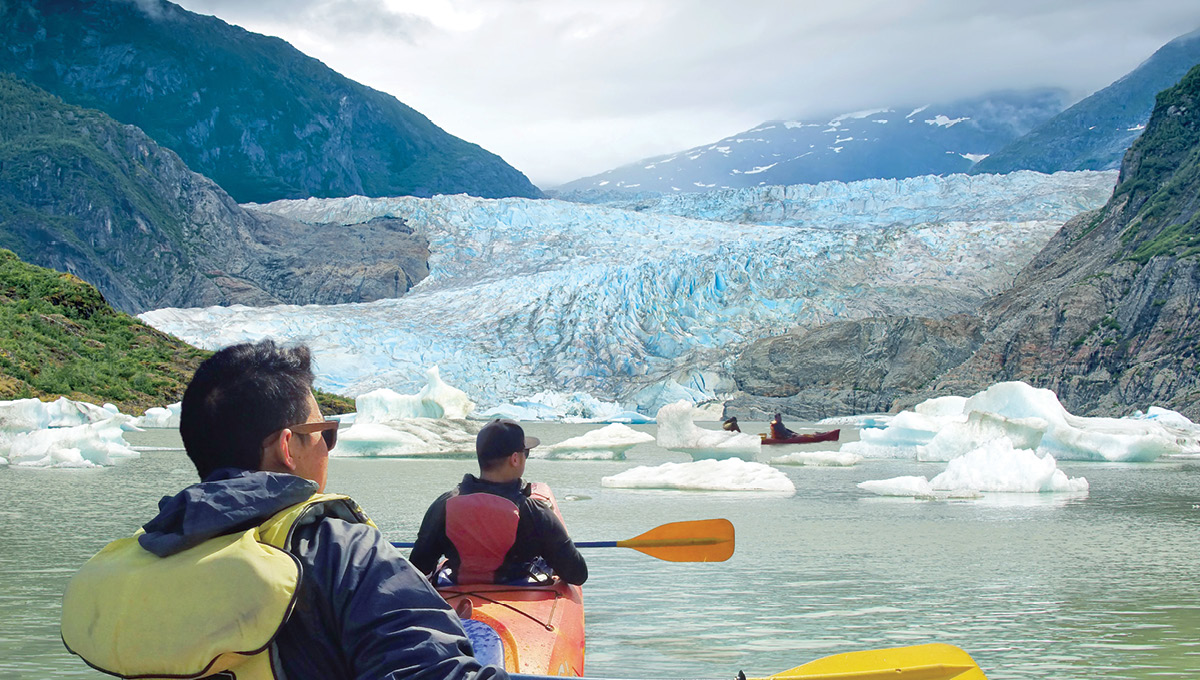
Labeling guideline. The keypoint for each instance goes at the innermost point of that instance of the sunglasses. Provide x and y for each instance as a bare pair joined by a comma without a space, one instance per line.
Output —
327,428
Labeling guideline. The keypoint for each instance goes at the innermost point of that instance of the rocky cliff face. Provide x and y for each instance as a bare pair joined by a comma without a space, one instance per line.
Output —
82,193
251,112
1107,315
849,366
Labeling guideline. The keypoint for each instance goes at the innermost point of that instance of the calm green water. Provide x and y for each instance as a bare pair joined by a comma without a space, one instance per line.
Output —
1106,586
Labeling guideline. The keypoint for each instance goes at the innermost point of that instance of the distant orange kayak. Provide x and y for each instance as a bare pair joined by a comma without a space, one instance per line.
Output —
532,629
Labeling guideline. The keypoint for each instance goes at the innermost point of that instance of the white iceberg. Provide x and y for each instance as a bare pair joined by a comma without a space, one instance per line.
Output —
819,459
1027,417
160,417
676,431
23,415
610,442
1186,433
995,467
408,437
435,400
80,446
703,475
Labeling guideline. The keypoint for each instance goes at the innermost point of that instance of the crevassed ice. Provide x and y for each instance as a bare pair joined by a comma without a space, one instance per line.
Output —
642,307
703,475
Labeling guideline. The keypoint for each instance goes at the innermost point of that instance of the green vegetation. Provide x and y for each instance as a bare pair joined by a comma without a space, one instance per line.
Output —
58,337
1165,177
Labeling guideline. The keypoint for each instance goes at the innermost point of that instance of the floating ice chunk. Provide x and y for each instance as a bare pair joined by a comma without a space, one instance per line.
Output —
160,417
917,487
861,421
407,437
904,433
1186,433
819,458
88,445
703,475
1071,437
677,431
956,439
435,400
994,467
942,407
23,415
610,442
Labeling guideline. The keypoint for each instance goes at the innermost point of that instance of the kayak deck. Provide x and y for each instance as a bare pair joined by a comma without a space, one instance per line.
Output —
540,627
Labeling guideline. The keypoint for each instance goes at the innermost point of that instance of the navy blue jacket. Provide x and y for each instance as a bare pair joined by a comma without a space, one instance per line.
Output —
363,611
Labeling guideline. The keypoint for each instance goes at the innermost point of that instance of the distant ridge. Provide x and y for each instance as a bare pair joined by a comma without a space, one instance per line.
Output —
1095,133
249,111
893,142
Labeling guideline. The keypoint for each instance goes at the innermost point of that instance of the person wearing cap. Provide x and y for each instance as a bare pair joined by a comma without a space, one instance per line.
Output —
493,528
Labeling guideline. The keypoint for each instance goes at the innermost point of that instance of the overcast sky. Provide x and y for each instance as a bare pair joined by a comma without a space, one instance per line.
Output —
563,89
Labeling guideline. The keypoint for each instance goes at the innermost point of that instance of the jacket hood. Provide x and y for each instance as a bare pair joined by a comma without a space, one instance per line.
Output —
228,500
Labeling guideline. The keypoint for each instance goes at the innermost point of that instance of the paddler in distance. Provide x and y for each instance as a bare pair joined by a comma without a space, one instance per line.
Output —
779,430
255,573
493,528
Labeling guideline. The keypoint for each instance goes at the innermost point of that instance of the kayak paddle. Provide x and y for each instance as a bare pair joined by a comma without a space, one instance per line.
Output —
702,540
934,661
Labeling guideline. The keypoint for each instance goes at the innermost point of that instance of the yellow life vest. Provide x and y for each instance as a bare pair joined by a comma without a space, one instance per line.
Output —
210,610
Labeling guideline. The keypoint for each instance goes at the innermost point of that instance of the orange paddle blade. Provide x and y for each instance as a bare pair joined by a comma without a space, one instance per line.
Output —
703,540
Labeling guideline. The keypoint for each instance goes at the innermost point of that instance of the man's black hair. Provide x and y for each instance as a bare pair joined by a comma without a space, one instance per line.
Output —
238,397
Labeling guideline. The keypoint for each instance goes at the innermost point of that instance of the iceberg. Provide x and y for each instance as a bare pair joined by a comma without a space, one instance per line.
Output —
160,417
77,446
407,438
642,306
429,423
435,400
995,467
703,475
610,442
677,431
23,415
1026,417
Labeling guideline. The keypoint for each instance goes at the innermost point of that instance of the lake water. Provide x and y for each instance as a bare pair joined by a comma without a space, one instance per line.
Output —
1032,585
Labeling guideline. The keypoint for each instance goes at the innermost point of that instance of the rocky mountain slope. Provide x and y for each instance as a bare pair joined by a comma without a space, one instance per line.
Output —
890,142
1095,133
1107,315
249,111
82,193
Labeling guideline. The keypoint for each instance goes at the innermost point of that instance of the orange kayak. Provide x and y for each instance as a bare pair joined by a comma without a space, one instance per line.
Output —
536,630
532,629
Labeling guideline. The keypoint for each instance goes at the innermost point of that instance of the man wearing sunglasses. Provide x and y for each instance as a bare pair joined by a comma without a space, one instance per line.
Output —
496,528
305,582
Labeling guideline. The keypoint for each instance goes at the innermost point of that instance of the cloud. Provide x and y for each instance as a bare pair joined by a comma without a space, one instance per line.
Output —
565,89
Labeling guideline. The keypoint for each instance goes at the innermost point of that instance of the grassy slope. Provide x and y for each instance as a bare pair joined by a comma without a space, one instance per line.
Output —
58,337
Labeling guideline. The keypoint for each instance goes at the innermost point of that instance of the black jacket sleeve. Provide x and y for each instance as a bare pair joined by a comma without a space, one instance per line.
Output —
383,617
431,537
557,548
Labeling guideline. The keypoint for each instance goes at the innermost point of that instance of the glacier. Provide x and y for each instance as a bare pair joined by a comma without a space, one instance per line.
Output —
642,306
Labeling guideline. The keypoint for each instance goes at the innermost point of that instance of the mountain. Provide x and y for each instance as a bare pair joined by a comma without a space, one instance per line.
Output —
249,111
82,193
649,305
1094,133
1107,314
882,143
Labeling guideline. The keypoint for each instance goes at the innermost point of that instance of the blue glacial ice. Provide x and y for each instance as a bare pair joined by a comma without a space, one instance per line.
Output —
643,306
